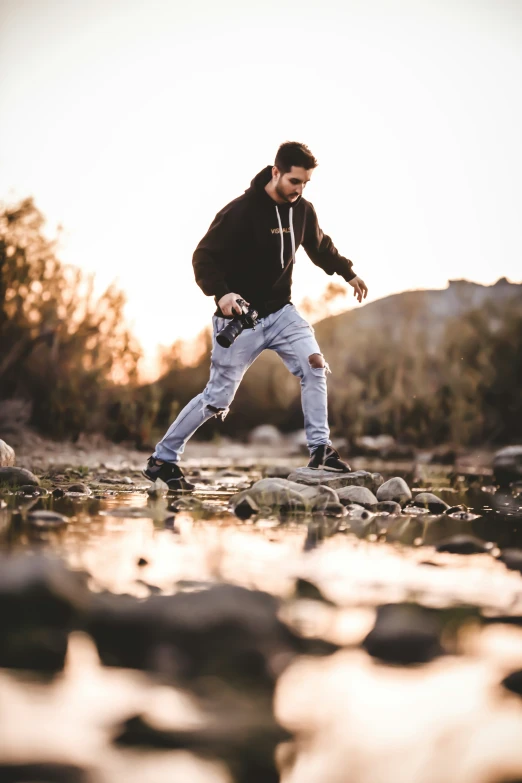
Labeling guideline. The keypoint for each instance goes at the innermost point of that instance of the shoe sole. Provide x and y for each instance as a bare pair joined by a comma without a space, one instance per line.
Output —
171,489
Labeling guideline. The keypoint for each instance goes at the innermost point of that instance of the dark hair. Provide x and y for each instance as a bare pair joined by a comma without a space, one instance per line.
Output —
292,153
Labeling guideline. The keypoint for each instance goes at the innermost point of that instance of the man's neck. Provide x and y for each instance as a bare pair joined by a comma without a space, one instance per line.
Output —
270,189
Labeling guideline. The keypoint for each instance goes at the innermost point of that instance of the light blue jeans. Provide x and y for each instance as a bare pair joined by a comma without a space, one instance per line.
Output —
292,338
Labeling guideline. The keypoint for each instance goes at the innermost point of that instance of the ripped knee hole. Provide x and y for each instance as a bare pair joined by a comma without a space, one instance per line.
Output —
218,412
317,362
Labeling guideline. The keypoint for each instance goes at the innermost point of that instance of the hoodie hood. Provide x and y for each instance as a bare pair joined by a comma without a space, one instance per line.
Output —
260,181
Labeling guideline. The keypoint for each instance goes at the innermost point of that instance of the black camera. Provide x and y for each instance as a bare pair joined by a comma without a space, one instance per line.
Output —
247,319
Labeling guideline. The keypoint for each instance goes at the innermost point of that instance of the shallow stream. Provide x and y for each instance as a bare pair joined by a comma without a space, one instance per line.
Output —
349,716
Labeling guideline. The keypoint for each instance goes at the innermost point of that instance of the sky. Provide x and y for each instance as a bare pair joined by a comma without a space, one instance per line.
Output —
133,122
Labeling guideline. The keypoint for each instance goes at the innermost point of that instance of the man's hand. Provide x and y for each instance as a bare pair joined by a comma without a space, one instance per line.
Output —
227,302
360,289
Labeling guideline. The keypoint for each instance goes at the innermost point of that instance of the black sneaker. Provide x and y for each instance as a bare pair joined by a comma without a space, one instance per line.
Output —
169,472
326,458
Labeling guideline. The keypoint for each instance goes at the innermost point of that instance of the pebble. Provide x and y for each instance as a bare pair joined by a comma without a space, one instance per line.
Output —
394,489
462,544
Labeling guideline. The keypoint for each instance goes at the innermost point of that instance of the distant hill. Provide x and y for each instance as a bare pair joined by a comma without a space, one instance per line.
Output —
425,311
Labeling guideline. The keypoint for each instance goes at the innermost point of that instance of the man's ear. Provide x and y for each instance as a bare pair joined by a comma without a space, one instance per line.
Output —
275,172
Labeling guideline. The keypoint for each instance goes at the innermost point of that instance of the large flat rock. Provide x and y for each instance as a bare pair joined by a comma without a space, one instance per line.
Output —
359,478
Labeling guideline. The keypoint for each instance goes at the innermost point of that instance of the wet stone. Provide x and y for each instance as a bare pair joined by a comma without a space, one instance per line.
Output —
225,632
246,508
388,506
360,495
41,601
278,494
512,559
46,519
513,682
58,492
30,490
43,772
395,489
17,477
309,591
79,489
463,545
359,478
455,509
507,465
430,501
404,634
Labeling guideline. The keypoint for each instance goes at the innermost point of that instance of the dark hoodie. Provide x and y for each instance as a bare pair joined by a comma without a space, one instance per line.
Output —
246,252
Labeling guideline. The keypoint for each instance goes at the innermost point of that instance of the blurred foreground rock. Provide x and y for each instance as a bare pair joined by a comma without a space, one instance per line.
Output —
507,465
404,634
41,601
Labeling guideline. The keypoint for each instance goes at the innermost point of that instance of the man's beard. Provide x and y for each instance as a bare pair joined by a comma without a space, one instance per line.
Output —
280,192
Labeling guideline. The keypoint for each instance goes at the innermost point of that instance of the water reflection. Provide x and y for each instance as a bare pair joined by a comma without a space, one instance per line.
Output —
355,720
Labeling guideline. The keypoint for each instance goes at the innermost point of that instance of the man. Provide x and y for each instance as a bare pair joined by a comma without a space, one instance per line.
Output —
248,253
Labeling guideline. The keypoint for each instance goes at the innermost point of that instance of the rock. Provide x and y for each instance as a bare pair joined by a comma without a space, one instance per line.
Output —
278,494
360,495
223,633
430,501
507,465
7,455
242,740
46,519
513,682
358,478
42,771
265,434
414,510
362,478
456,509
41,601
277,471
245,508
404,634
17,477
58,492
30,490
464,516
512,559
321,498
79,489
310,592
463,544
388,507
121,480
394,489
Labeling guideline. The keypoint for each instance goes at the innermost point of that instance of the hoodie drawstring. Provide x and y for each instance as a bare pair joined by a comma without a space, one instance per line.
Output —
292,237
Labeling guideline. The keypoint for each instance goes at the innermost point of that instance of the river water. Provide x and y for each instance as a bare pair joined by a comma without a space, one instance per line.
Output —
353,718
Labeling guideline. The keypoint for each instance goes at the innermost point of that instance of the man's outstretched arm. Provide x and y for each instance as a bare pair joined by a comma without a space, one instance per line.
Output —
322,251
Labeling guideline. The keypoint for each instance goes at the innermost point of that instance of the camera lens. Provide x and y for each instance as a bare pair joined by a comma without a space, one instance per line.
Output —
226,336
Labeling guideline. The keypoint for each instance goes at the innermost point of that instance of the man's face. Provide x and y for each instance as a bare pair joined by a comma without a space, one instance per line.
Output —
290,186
